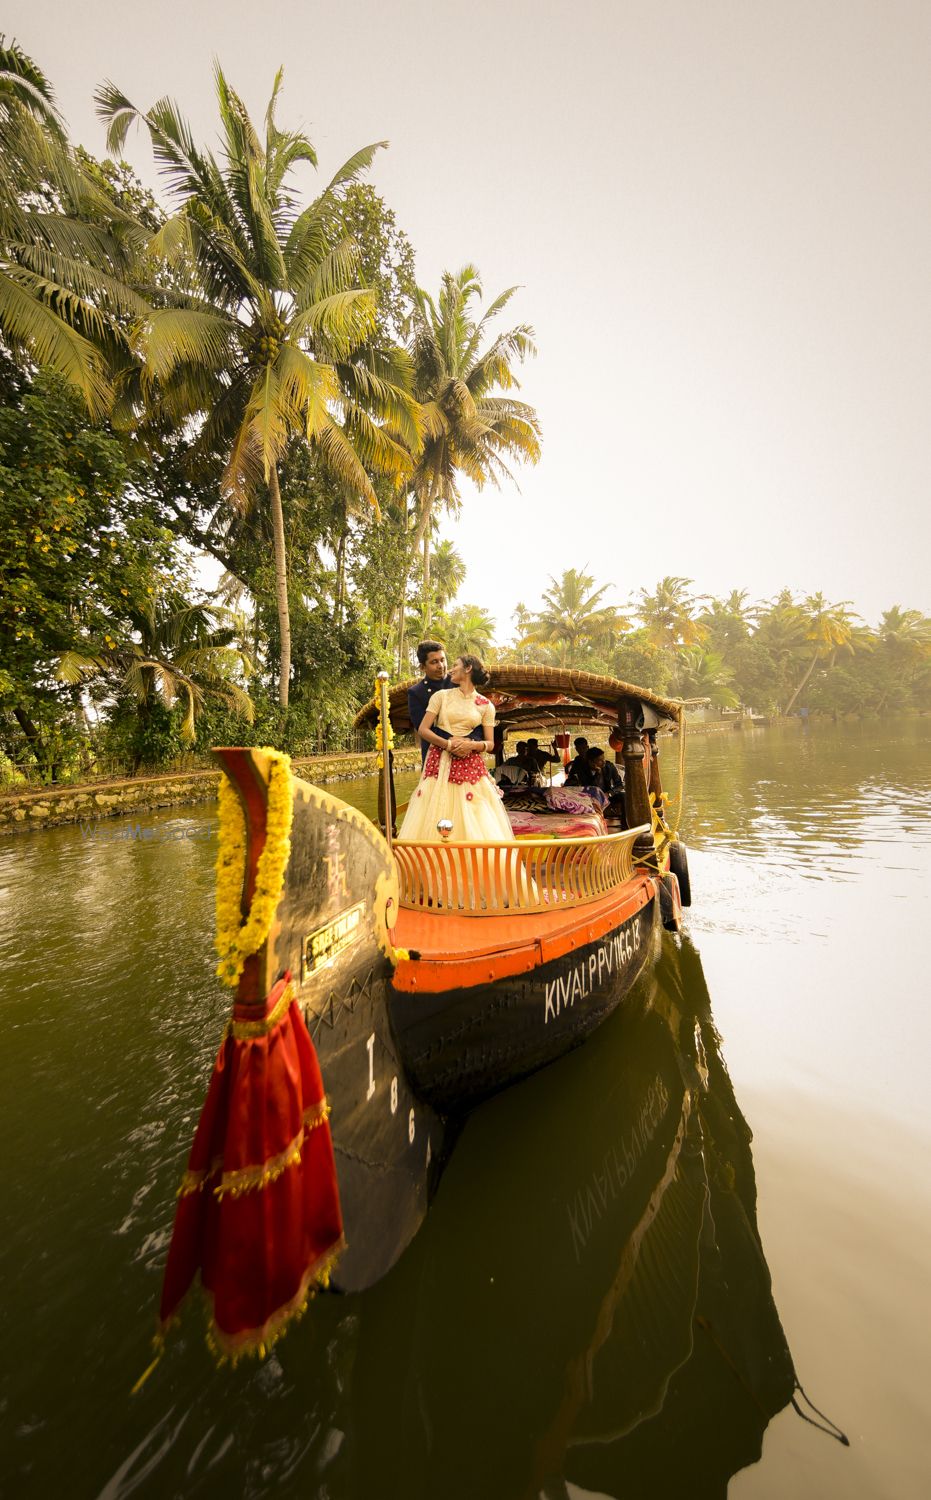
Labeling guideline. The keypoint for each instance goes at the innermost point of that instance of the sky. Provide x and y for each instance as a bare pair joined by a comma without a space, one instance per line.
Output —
718,215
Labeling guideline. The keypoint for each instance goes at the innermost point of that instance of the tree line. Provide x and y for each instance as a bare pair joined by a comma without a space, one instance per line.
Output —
233,368
241,370
775,656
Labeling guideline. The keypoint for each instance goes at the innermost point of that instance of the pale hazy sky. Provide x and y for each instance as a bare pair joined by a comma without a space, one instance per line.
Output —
718,212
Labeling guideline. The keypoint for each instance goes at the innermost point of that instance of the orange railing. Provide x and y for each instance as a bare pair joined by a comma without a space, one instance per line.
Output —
529,876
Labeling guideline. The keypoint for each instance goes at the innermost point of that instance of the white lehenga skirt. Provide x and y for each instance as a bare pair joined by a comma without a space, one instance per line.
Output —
460,789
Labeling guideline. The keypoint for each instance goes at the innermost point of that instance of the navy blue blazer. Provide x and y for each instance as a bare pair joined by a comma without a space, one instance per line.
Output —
418,701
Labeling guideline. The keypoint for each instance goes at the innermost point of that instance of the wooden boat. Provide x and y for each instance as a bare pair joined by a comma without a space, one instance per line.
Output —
434,975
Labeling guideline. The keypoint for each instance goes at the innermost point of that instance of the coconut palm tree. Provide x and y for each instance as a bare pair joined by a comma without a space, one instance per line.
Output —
668,614
180,651
469,429
65,247
703,673
906,631
272,340
448,573
831,628
573,618
469,629
726,622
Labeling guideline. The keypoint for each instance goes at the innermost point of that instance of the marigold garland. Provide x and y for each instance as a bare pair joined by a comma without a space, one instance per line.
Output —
237,940
384,735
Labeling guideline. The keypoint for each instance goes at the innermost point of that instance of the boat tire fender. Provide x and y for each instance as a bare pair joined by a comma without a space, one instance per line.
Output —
679,865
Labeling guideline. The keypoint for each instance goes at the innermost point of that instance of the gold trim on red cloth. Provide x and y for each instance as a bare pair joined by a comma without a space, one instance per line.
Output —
247,1179
258,1219
245,1031
257,1341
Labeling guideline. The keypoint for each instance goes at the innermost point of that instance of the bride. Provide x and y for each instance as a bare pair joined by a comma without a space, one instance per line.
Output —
455,783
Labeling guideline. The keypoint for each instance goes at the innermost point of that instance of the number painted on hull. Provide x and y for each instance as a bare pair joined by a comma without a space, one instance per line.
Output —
589,974
370,1044
394,1094
410,1127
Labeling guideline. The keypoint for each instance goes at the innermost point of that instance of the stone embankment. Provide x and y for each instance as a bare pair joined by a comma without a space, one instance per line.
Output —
21,811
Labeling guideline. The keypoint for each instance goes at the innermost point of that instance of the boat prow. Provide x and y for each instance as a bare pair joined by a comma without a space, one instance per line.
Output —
332,933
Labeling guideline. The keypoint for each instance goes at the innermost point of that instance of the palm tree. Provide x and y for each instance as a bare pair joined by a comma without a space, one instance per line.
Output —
702,673
573,618
448,572
726,622
832,628
271,341
468,428
182,651
668,614
469,629
906,631
65,247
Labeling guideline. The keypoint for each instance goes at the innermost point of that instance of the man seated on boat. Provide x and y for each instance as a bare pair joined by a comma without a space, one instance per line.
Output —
517,770
581,749
432,658
596,771
542,758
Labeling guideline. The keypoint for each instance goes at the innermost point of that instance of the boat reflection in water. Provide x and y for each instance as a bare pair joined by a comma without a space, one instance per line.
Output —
588,1308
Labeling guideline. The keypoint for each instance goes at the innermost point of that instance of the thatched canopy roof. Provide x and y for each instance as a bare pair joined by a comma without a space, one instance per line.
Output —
542,697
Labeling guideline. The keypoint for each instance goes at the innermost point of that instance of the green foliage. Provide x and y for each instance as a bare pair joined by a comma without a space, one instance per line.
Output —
66,246
78,554
637,659
386,258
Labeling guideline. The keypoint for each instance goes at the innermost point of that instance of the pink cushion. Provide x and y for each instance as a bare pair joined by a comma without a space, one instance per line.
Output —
556,825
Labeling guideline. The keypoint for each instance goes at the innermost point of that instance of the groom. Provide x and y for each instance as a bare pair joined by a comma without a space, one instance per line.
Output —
432,658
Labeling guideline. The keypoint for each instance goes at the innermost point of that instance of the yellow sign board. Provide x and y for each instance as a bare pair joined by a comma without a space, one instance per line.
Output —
324,945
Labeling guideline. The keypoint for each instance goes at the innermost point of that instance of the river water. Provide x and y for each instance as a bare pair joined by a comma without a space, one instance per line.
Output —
633,1256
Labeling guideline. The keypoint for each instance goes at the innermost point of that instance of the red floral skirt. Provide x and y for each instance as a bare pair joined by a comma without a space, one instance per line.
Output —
469,768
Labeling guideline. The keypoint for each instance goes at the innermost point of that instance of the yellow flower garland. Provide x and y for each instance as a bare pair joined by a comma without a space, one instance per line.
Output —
384,734
237,940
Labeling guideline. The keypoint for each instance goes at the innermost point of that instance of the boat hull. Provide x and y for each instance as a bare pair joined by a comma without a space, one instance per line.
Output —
460,1045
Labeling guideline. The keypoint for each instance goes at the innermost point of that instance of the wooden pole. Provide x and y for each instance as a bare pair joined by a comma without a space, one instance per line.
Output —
385,789
656,785
636,794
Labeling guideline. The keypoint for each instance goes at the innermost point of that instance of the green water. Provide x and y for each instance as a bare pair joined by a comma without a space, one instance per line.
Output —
553,1330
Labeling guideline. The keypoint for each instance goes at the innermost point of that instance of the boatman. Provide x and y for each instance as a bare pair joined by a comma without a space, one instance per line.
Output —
432,657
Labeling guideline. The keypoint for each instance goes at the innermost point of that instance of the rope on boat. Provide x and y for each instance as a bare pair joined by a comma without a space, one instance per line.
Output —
678,817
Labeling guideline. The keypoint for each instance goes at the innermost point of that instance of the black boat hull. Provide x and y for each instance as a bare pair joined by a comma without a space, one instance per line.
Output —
460,1046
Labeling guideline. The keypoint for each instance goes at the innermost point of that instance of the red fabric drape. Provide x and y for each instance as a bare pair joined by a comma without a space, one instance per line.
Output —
259,1216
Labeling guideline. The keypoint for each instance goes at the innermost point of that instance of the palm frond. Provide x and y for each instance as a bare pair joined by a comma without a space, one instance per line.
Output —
22,81
359,162
377,448
266,418
78,278
337,323
341,459
307,388
27,320
175,336
73,667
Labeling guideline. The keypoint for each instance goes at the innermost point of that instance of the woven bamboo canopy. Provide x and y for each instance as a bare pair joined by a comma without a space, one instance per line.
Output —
538,696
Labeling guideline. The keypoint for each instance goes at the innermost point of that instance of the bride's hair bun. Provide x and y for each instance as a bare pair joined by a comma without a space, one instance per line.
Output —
479,675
